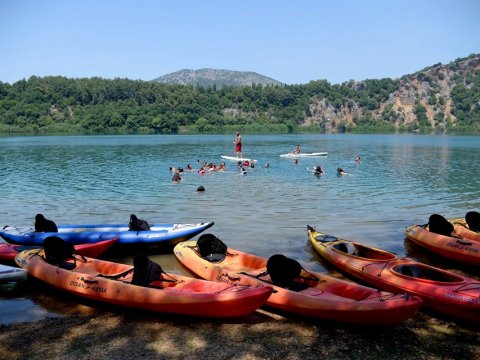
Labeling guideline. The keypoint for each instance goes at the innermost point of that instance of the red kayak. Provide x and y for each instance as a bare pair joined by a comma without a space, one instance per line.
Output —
443,291
9,251
461,228
115,283
313,295
463,247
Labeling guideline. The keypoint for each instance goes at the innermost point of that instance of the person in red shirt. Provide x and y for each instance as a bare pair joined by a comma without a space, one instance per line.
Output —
238,145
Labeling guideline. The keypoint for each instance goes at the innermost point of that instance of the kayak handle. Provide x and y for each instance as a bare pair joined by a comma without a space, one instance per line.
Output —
89,281
464,242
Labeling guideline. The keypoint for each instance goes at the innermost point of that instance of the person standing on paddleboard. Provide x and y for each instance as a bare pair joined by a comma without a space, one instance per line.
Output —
238,144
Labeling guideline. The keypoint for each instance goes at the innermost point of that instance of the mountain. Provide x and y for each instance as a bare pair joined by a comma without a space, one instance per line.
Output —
439,96
215,77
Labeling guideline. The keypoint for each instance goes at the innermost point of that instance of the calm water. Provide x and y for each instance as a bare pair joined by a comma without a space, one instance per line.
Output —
401,180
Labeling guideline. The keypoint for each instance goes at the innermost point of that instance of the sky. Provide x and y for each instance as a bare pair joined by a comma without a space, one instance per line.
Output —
294,41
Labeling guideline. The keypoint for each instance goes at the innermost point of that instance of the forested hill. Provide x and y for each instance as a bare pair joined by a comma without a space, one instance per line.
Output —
438,98
216,78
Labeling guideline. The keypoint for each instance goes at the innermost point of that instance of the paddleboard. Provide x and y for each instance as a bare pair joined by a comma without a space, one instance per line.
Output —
234,158
290,155
10,273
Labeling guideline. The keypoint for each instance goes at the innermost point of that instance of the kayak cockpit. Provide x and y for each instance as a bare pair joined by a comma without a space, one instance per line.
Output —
418,271
366,252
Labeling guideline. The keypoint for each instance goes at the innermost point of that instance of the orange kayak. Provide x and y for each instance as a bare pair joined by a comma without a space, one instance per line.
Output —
461,228
465,249
322,297
168,294
9,251
441,290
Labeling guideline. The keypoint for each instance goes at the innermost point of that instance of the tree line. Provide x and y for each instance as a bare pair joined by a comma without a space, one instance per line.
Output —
57,104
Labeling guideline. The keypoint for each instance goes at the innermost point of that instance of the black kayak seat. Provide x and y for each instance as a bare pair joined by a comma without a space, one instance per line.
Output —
473,220
211,248
58,251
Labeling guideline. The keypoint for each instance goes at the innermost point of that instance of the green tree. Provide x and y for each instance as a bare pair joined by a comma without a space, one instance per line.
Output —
421,114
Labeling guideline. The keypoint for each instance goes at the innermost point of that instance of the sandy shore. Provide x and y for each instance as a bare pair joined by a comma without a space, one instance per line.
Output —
262,335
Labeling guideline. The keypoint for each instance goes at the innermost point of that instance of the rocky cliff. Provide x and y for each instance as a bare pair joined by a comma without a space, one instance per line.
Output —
425,96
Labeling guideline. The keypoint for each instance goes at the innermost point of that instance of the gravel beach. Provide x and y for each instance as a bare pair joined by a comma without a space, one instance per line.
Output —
262,335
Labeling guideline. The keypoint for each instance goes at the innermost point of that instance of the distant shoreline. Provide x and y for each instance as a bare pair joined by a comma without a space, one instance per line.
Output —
307,131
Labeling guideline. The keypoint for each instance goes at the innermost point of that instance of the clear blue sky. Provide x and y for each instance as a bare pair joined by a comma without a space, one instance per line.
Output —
292,41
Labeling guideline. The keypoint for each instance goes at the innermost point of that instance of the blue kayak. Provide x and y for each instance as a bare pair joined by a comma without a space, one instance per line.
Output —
159,234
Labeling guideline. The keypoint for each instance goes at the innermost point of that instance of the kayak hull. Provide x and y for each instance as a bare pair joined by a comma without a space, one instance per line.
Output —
443,291
12,274
327,299
158,235
185,296
9,251
465,250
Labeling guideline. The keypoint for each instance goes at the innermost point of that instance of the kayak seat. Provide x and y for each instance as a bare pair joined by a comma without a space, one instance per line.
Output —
473,220
145,271
211,248
285,272
58,251
439,225
137,224
342,247
347,248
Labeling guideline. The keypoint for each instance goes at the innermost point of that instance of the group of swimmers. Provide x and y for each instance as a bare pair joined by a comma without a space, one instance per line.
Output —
318,171
204,168
241,165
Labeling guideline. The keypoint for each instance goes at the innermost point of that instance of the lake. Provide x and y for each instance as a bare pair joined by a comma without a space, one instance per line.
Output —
401,180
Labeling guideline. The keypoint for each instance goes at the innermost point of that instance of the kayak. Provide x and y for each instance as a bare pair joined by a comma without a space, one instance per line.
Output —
12,274
291,155
9,251
461,228
158,235
452,294
234,158
169,293
465,248
319,296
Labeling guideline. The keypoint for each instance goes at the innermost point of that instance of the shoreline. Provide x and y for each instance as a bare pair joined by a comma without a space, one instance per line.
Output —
127,334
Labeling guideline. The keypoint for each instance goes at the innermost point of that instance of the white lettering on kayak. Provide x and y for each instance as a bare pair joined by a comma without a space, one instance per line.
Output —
154,236
464,298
